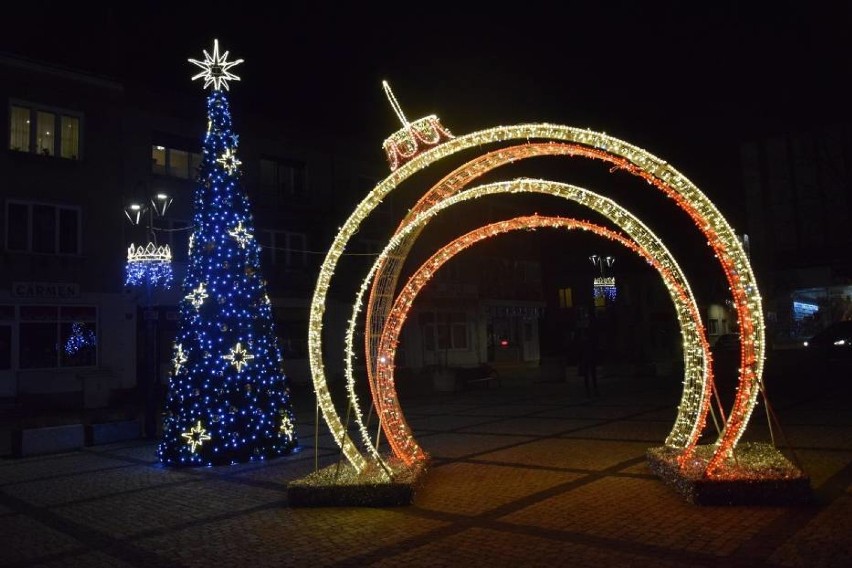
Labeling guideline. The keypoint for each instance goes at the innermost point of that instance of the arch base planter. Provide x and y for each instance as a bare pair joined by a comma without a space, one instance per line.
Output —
758,474
340,485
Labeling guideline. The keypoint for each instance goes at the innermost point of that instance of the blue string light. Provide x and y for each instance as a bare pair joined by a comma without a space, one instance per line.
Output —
228,400
156,273
80,338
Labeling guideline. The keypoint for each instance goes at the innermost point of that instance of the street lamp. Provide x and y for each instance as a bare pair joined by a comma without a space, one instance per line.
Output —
604,285
149,266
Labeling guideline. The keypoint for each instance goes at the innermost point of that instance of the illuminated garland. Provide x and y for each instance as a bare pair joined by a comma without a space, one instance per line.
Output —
398,433
697,369
709,220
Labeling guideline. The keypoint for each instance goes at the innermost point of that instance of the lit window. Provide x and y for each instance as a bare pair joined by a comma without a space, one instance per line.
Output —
158,160
178,163
44,131
19,130
173,162
70,143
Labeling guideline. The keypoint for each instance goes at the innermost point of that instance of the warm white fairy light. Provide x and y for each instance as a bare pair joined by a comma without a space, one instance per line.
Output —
229,161
710,221
287,428
241,235
197,296
179,359
238,357
397,431
196,436
149,253
216,69
696,393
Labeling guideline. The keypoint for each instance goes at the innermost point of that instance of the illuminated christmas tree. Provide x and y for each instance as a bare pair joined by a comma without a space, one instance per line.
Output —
228,398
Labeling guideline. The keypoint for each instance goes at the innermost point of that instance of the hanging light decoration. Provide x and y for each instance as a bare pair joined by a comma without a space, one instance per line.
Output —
149,265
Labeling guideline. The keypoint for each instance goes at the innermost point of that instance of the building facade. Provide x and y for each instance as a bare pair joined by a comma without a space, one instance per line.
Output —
798,189
82,149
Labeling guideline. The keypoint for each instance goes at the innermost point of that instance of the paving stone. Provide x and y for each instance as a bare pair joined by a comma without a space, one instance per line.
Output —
502,491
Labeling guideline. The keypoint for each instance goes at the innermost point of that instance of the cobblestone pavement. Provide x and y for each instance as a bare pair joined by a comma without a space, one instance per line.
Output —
522,476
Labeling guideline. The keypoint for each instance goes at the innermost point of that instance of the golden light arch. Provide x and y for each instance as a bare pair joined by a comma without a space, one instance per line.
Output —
397,431
698,375
697,371
709,220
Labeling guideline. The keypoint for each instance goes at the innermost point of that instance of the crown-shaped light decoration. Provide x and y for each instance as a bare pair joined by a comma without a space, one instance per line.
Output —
604,287
414,137
150,264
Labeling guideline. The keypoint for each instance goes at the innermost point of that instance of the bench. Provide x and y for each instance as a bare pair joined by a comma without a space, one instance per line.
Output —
483,375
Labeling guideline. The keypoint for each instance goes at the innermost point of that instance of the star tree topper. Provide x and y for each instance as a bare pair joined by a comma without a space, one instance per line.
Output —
215,69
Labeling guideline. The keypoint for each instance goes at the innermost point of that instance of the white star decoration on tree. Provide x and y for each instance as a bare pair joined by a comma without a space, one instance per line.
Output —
179,359
241,235
239,357
197,296
287,427
216,69
229,161
196,436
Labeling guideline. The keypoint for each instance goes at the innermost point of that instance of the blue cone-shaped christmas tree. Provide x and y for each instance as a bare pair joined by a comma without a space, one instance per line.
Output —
228,399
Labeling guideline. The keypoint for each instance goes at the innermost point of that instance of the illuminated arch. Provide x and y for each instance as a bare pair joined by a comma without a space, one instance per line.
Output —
712,224
697,372
397,431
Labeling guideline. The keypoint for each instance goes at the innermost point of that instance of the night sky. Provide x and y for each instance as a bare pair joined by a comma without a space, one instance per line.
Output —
685,80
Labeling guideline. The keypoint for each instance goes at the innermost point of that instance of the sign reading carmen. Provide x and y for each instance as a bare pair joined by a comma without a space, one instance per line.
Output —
45,290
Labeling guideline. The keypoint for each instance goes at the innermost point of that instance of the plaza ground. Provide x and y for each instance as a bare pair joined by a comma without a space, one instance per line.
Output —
524,474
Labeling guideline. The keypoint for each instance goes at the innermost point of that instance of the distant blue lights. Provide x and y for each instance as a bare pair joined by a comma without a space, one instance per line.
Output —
81,337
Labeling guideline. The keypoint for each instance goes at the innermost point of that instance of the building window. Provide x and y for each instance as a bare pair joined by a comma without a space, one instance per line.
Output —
57,336
283,178
7,317
44,131
173,162
42,228
566,298
285,248
713,326
444,330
